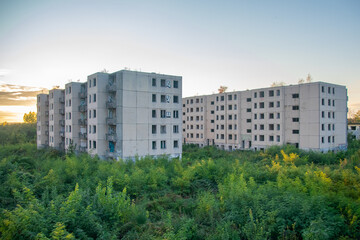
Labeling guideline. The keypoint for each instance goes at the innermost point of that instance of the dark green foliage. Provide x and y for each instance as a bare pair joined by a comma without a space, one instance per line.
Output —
17,133
282,193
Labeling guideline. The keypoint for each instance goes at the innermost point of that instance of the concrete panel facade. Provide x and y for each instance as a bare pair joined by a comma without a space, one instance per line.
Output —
119,115
42,127
57,119
311,116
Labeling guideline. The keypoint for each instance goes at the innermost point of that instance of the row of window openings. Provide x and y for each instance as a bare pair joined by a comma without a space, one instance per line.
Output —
68,115
68,141
93,144
201,109
230,136
330,126
262,127
329,102
329,114
262,116
197,118
165,98
222,98
92,82
230,107
271,93
68,128
329,90
191,135
330,139
271,138
68,90
294,95
222,117
165,83
197,100
262,105
163,129
93,129
163,144
165,114
68,103
93,113
198,126
93,98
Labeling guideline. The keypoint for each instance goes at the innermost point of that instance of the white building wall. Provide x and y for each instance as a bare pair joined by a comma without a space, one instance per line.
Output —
42,126
56,118
72,115
272,116
134,114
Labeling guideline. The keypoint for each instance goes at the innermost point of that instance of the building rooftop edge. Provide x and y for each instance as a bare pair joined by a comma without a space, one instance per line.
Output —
290,85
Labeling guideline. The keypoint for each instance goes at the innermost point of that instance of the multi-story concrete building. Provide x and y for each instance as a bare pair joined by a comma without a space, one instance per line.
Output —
311,116
56,118
42,120
121,115
72,115
354,129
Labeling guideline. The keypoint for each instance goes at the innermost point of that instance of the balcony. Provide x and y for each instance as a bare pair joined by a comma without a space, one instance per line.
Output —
83,121
111,105
47,103
111,88
62,111
82,94
62,133
47,113
111,137
62,100
82,108
46,132
62,122
46,142
82,135
47,123
111,121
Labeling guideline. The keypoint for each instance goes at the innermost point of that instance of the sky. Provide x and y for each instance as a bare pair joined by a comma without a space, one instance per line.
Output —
239,44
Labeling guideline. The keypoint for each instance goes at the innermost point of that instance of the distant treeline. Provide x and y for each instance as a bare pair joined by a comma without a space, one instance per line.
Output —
17,133
281,193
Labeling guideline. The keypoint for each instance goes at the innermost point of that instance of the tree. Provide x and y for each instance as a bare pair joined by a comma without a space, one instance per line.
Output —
278,84
355,118
222,89
30,117
309,78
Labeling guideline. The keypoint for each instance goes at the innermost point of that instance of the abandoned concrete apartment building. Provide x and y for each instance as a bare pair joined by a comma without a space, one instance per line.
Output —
129,113
311,116
118,115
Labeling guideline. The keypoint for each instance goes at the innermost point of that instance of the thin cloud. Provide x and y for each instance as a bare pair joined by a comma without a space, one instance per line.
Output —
16,95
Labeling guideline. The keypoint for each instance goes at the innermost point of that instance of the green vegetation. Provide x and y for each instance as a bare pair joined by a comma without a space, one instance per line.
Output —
355,117
282,193
16,133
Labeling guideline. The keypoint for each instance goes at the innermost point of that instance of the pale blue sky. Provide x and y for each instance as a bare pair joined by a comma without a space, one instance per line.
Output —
240,44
